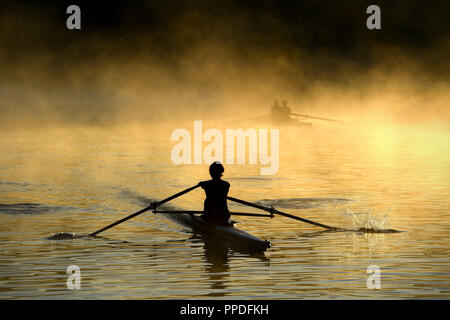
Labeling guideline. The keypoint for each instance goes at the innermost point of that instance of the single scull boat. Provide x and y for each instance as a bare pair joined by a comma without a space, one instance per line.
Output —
229,234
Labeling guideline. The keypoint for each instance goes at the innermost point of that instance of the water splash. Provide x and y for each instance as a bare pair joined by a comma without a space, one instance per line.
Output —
368,222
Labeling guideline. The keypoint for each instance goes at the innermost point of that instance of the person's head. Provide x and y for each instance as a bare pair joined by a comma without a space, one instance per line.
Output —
216,170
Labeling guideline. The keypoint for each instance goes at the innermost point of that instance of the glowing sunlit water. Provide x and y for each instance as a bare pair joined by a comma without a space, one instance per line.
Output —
77,181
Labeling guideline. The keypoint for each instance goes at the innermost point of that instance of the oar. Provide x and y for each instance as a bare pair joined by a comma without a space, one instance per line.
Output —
150,207
274,211
306,116
248,214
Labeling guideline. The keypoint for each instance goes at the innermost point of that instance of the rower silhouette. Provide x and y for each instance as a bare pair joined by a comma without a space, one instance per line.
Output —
286,109
281,113
215,206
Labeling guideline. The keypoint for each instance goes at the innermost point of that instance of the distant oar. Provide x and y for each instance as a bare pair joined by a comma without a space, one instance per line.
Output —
306,116
150,207
274,211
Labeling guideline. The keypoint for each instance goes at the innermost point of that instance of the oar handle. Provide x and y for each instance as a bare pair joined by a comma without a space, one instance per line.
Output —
152,206
274,211
248,214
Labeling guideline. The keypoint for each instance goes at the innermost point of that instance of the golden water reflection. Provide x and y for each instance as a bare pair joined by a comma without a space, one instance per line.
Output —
81,180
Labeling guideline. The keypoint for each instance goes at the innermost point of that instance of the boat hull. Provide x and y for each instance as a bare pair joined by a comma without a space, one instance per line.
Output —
232,236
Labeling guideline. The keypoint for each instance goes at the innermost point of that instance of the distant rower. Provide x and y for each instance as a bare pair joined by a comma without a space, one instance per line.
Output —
215,205
281,113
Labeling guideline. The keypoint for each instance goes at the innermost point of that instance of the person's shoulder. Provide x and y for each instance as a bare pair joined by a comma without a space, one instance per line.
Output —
205,183
226,183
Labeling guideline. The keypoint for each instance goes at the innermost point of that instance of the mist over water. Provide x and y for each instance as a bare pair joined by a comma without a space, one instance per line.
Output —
221,61
85,125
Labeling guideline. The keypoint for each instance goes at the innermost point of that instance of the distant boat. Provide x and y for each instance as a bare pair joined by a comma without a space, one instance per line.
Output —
282,116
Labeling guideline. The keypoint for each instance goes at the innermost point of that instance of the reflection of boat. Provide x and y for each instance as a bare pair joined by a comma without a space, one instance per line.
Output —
230,235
